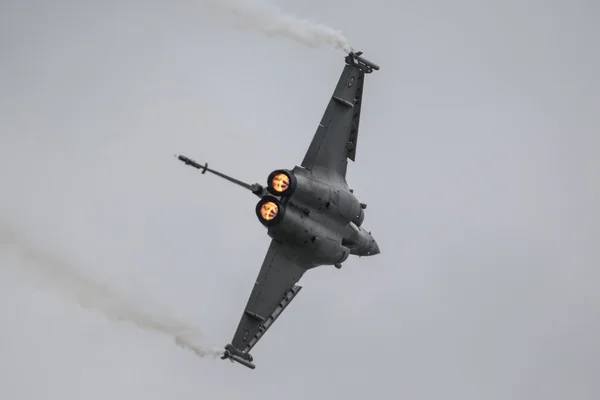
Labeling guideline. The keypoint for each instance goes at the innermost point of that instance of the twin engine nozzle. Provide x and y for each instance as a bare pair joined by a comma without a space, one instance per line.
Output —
281,183
269,209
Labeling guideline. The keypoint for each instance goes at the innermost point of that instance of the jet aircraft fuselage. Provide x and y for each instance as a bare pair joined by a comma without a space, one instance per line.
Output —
320,217
310,213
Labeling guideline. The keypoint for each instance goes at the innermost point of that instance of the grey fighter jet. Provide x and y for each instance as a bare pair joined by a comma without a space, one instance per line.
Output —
310,213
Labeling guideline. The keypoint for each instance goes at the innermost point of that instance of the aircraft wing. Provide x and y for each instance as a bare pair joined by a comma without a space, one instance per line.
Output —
274,289
336,137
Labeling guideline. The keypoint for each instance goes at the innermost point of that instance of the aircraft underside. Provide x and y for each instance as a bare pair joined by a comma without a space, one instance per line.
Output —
311,216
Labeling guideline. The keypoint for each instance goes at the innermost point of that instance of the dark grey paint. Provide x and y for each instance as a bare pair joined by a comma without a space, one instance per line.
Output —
319,222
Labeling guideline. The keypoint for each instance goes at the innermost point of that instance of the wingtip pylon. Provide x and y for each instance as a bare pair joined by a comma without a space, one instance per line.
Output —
355,58
233,354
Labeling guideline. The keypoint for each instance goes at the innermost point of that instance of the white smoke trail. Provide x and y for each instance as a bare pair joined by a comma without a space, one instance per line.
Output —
270,20
94,295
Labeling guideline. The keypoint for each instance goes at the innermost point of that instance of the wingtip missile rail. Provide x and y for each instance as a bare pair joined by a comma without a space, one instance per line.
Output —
236,355
355,58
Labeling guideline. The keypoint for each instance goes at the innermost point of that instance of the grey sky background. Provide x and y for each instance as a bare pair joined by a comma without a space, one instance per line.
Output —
477,157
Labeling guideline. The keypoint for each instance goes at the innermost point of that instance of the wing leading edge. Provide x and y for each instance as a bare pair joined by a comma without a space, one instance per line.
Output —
336,137
273,291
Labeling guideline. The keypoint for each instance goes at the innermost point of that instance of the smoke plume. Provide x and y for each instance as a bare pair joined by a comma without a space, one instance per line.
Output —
93,294
270,20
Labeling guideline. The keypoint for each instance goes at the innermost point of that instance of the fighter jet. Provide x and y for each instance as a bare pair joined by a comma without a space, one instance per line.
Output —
311,215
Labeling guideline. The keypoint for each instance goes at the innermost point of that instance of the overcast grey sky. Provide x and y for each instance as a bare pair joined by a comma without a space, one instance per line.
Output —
477,157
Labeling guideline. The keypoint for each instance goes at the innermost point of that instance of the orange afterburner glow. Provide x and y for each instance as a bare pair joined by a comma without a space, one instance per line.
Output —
280,183
269,211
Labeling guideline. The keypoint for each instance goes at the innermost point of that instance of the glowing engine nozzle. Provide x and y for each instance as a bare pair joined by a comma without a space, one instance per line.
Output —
269,211
281,183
